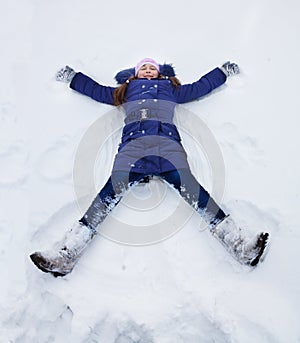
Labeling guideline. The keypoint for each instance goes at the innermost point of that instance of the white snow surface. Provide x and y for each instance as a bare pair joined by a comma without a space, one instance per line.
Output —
185,288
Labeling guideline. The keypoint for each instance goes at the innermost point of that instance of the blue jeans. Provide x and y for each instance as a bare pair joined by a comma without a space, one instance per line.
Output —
182,180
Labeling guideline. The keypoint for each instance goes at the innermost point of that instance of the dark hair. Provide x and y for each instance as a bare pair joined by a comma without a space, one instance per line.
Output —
120,92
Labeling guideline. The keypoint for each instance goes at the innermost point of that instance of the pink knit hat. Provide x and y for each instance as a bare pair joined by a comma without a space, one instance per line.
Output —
146,61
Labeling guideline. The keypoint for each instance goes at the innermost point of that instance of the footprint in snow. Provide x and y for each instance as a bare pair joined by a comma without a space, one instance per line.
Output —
56,163
242,147
14,159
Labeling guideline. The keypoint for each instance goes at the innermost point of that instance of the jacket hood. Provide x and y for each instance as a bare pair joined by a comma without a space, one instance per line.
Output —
123,75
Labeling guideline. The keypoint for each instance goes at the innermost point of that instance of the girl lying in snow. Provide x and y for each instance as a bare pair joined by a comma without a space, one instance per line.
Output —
150,146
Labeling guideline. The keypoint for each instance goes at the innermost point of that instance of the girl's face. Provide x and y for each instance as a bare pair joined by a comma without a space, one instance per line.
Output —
147,71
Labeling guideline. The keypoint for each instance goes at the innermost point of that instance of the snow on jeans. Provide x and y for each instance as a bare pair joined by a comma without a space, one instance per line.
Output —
182,180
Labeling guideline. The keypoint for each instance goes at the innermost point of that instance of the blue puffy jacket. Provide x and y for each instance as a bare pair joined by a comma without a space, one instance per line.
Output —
150,141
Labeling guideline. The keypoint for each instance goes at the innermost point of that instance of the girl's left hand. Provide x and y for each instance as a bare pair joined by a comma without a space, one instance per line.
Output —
65,74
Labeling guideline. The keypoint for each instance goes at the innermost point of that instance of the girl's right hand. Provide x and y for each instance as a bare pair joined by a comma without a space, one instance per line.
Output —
65,74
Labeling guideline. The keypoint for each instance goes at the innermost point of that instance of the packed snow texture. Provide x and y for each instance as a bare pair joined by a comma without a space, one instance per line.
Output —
185,288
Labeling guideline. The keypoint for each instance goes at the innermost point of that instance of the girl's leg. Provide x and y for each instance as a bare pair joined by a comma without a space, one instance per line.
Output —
245,250
109,197
61,259
194,194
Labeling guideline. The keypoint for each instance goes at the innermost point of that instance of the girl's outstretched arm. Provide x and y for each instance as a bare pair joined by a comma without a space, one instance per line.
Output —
206,83
85,85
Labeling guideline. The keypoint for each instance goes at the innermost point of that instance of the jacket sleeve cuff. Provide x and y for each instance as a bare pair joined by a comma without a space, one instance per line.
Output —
218,77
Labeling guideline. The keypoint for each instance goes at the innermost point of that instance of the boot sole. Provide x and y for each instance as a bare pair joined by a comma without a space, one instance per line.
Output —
38,263
263,245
